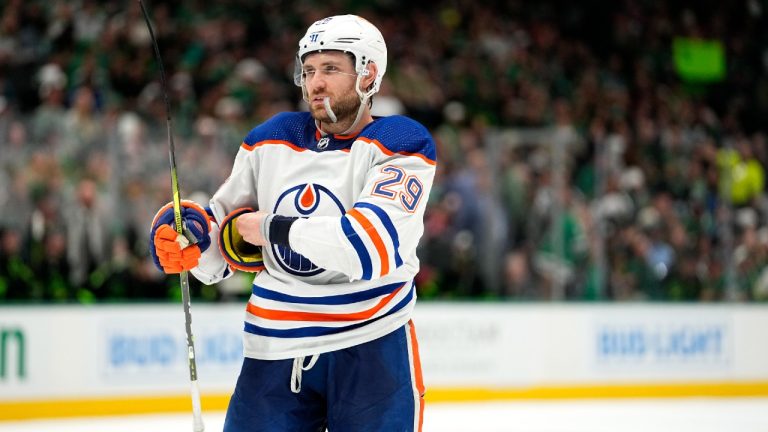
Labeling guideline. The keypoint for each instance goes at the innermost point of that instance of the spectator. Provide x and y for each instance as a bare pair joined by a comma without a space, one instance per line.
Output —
88,238
80,97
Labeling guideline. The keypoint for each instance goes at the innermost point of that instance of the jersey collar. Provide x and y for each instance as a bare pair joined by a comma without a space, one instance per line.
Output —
320,134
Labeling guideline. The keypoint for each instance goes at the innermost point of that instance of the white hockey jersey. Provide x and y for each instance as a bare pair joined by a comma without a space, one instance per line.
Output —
348,276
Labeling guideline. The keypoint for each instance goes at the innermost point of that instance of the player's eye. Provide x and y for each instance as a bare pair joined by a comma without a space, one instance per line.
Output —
308,74
326,71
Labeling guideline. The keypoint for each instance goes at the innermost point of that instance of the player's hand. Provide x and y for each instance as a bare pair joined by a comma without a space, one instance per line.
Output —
250,226
173,252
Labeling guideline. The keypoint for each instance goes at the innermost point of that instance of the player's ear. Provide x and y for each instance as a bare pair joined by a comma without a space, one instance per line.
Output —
370,77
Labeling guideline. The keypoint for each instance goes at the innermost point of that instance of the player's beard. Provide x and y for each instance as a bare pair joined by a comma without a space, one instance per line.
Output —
344,107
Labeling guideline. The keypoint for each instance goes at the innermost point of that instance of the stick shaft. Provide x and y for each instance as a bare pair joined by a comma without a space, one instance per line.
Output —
183,276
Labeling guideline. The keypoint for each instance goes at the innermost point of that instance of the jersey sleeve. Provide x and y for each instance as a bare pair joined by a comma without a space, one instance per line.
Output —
380,233
212,268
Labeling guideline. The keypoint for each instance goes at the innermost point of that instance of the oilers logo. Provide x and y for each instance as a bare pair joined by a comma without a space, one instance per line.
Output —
303,200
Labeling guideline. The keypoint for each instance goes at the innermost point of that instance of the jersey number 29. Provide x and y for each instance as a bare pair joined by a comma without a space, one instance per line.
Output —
409,189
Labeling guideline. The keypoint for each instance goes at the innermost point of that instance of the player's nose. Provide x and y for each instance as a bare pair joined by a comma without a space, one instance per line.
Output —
316,83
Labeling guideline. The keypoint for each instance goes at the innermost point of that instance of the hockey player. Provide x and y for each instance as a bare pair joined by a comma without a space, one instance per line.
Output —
326,208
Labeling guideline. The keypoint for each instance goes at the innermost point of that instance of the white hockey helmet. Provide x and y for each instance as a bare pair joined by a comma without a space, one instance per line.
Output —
348,33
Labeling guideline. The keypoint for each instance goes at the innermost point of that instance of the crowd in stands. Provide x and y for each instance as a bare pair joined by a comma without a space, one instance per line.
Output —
649,187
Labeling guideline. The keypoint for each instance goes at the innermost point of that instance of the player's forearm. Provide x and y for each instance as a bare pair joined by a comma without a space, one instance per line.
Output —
332,243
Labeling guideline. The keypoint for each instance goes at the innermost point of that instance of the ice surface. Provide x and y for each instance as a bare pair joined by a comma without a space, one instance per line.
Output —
657,415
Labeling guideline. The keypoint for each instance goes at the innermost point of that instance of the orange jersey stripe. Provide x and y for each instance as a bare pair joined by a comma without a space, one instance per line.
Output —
390,152
279,315
375,237
417,371
250,147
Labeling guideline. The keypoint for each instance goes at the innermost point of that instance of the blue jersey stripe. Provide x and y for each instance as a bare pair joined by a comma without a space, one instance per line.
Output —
387,222
357,243
319,330
327,300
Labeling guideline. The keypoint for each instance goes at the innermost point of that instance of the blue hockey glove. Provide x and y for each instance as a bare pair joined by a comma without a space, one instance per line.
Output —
173,252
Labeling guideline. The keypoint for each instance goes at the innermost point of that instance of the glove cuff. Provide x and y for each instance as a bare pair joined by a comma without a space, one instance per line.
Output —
185,204
279,228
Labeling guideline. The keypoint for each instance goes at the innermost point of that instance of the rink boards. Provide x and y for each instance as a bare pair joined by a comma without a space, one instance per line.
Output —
107,360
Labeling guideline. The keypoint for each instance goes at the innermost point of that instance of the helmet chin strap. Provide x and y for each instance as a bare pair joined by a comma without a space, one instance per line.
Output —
328,110
357,118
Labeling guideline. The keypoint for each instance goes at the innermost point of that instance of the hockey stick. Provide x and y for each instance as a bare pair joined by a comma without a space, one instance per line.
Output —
183,276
